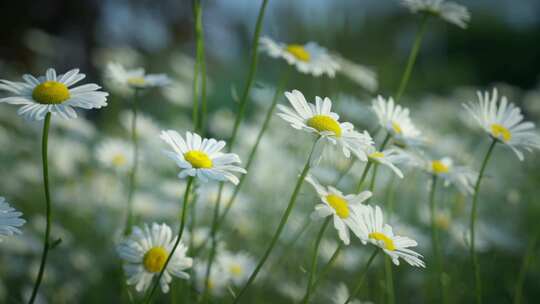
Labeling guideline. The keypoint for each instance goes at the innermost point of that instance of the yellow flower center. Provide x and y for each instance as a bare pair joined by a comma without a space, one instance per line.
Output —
442,221
137,81
396,127
119,160
154,260
501,132
236,270
198,159
388,242
376,155
299,52
339,204
51,92
324,123
439,167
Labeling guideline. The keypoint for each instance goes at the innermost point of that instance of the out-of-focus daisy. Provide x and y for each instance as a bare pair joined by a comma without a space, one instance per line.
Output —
238,266
145,253
310,58
10,219
343,208
362,75
202,157
217,281
319,119
462,177
135,78
341,295
504,122
53,93
115,154
451,12
395,119
375,231
389,158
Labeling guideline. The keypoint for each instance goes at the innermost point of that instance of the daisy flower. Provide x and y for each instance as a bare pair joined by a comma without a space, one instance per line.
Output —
319,119
374,231
238,266
53,93
135,78
308,59
388,158
343,208
504,122
202,157
145,253
396,121
462,177
451,12
115,154
217,281
10,219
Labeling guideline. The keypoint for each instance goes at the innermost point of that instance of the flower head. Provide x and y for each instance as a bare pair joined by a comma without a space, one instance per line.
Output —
309,58
388,158
10,219
115,154
145,253
451,12
374,231
503,121
396,121
462,177
53,93
343,208
319,119
202,157
238,266
135,78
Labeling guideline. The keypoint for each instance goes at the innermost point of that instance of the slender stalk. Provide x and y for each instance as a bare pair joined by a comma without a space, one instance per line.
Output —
46,245
527,260
363,177
435,238
251,74
476,266
200,65
213,232
314,259
412,57
362,276
281,225
389,280
180,233
328,265
196,67
132,179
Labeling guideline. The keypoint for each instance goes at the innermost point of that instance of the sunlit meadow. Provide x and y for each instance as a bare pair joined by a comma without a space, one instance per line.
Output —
269,151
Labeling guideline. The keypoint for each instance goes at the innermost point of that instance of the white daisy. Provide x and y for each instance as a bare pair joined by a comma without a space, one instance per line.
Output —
389,158
504,122
451,12
10,219
218,279
396,121
319,119
238,266
461,177
135,78
309,58
52,93
202,157
374,231
145,252
115,154
361,75
343,208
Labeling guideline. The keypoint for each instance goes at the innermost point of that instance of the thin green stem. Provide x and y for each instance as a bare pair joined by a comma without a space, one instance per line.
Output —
195,111
179,237
363,177
201,65
476,266
314,259
132,179
251,74
389,280
412,57
362,276
283,221
328,265
435,238
46,245
527,260
214,242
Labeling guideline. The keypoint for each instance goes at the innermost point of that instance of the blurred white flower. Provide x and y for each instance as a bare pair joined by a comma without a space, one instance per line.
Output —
115,154
238,266
145,253
10,219
135,78
52,93
361,75
451,12
218,279
396,121
504,122
341,295
461,177
308,59
389,158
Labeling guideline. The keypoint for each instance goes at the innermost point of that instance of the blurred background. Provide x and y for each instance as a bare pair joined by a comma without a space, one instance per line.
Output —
500,48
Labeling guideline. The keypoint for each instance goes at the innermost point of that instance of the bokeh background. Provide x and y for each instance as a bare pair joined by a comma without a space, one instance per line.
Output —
500,48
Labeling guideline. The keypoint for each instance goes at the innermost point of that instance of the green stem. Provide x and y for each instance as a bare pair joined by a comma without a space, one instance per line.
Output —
476,266
328,265
214,242
251,73
362,276
435,238
281,225
200,65
46,245
389,280
314,260
133,173
527,260
412,57
363,177
180,233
